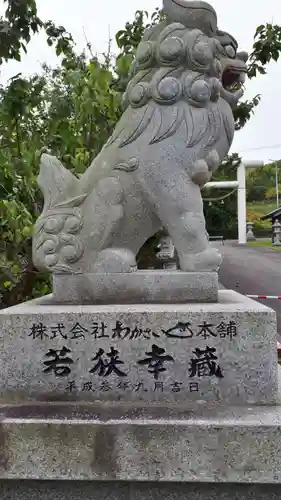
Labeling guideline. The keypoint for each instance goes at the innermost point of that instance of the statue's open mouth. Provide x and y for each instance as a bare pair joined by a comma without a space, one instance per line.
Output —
233,79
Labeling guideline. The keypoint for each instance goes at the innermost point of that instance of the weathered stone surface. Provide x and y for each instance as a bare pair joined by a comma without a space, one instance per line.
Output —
69,490
176,129
169,353
136,288
64,490
114,443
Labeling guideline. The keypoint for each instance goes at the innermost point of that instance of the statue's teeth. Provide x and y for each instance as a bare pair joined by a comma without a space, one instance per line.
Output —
242,78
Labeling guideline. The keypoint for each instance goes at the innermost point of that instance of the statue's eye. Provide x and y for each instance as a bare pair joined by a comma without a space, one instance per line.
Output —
230,51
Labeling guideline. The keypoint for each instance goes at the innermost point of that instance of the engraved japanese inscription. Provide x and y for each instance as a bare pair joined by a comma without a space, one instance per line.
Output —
137,354
132,357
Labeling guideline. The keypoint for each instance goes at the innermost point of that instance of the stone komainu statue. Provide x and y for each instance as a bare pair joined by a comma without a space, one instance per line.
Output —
176,129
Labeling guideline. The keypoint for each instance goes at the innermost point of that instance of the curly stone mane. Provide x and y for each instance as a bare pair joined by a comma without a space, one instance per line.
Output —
176,65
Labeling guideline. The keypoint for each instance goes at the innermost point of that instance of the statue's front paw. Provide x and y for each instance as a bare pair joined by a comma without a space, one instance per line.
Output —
201,173
208,260
114,260
213,161
204,168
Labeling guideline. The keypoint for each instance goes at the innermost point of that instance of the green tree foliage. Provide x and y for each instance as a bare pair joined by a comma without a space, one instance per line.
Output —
266,48
16,28
20,23
261,183
222,219
271,193
70,111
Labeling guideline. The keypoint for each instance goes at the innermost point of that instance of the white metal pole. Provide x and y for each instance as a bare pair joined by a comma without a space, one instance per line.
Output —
241,199
241,204
277,184
221,184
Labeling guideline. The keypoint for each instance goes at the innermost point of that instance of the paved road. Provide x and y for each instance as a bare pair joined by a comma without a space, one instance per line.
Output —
253,271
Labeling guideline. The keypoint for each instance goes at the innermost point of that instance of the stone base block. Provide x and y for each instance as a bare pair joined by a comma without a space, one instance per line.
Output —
66,490
173,354
141,287
116,443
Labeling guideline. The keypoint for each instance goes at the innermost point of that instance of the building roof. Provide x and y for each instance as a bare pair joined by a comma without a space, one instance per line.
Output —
275,213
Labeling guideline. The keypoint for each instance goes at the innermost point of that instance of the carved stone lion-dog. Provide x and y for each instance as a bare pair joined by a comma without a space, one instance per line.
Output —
176,129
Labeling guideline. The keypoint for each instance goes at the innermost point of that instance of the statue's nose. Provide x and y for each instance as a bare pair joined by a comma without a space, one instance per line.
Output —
243,56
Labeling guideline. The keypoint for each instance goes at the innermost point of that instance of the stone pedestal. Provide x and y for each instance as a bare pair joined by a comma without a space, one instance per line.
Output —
70,452
140,287
139,401
131,353
77,490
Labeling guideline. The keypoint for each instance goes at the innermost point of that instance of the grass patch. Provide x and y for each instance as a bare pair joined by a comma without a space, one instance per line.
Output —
260,208
255,211
263,243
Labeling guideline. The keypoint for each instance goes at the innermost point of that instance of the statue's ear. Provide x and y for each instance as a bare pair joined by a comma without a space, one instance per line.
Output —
56,182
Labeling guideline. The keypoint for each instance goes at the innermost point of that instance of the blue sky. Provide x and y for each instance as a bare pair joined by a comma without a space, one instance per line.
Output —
260,139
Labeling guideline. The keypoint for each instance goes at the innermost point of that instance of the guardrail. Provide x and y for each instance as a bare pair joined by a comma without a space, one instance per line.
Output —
277,297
